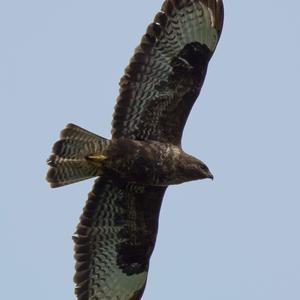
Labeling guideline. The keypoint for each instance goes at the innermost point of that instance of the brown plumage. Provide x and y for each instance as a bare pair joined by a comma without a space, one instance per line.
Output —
117,231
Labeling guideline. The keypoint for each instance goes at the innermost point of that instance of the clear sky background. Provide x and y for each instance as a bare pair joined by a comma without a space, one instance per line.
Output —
231,239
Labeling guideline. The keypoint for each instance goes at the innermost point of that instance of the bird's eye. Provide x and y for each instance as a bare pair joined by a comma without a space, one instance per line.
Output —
204,167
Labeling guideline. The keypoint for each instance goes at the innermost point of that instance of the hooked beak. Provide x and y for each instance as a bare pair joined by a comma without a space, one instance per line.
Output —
211,176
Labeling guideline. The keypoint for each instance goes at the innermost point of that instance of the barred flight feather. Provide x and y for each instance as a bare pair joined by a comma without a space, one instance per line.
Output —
149,78
114,240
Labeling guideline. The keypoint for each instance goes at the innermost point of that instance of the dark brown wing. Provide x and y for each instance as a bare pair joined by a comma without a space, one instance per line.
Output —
166,73
115,239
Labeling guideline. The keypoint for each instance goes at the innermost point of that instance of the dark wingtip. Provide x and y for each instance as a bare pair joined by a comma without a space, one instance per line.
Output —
217,9
220,15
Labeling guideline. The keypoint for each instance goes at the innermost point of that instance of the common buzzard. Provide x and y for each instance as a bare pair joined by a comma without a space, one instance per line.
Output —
117,231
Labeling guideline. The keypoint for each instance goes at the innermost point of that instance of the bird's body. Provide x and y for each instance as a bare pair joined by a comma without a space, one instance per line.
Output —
132,161
117,231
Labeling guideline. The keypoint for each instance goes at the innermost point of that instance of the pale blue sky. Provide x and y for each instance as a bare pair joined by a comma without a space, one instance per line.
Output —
236,238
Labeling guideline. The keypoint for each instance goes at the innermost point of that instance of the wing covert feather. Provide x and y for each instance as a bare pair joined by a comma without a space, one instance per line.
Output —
115,239
165,75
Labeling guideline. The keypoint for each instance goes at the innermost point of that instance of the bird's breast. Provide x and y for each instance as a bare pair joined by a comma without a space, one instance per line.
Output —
143,162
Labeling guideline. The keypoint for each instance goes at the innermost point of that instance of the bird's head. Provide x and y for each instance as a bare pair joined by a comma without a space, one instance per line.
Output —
195,169
204,171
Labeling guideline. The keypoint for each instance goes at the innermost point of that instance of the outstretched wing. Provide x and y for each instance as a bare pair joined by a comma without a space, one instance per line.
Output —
166,73
115,239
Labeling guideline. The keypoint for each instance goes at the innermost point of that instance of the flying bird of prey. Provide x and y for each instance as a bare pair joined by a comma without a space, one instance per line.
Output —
117,231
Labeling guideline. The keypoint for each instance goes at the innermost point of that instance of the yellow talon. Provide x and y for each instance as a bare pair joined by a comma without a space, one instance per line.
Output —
97,157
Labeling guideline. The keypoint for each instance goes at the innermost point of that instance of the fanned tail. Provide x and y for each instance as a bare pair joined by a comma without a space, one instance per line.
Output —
73,157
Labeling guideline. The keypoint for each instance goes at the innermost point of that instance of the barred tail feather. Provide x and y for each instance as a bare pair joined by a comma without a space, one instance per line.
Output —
63,171
69,162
